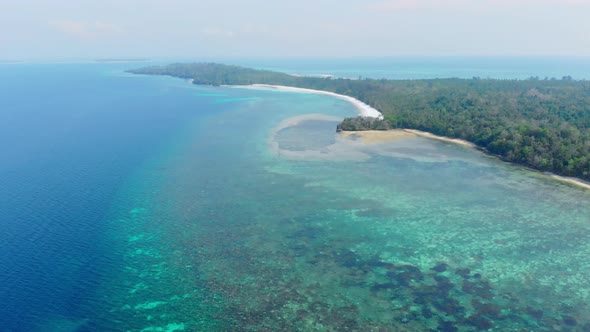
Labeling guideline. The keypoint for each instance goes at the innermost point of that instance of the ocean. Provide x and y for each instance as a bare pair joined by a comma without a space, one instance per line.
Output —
143,203
426,67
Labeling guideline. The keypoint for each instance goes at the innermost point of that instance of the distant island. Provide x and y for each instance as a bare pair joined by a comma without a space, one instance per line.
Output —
540,123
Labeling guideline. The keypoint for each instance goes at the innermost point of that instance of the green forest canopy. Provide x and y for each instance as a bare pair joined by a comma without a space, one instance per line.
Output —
543,124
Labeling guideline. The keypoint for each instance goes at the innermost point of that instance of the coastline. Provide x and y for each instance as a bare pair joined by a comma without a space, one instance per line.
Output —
368,111
362,108
574,181
382,136
564,179
441,138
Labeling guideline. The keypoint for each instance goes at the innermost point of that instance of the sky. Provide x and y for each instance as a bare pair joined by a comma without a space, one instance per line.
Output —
31,29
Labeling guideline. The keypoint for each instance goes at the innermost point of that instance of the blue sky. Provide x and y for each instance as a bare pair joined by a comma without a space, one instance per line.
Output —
182,28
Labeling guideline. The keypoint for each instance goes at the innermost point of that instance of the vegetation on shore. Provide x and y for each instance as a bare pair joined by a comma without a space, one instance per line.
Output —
363,123
540,123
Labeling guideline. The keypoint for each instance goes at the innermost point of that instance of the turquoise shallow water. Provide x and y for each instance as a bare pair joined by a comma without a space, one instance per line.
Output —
148,204
410,235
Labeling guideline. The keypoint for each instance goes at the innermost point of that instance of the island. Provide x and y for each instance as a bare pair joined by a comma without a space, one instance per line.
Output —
543,124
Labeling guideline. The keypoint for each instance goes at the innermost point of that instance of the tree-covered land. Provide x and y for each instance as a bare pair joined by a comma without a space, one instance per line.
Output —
364,123
543,124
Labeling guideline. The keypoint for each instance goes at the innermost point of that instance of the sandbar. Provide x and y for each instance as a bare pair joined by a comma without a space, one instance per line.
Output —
377,136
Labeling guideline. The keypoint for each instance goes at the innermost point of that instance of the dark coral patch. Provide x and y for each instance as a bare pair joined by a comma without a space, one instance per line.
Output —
426,312
440,267
535,313
375,262
406,274
443,285
450,306
445,326
463,272
479,322
488,310
347,258
380,287
569,320
425,294
483,289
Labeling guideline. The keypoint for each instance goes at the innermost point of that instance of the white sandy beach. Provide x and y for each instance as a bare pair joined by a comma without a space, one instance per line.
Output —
574,181
440,138
362,108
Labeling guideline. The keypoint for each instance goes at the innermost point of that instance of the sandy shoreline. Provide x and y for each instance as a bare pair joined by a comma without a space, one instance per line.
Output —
441,138
377,136
362,108
383,136
380,136
574,181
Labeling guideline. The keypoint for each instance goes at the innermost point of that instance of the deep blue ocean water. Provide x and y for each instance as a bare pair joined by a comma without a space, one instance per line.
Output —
149,204
70,136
